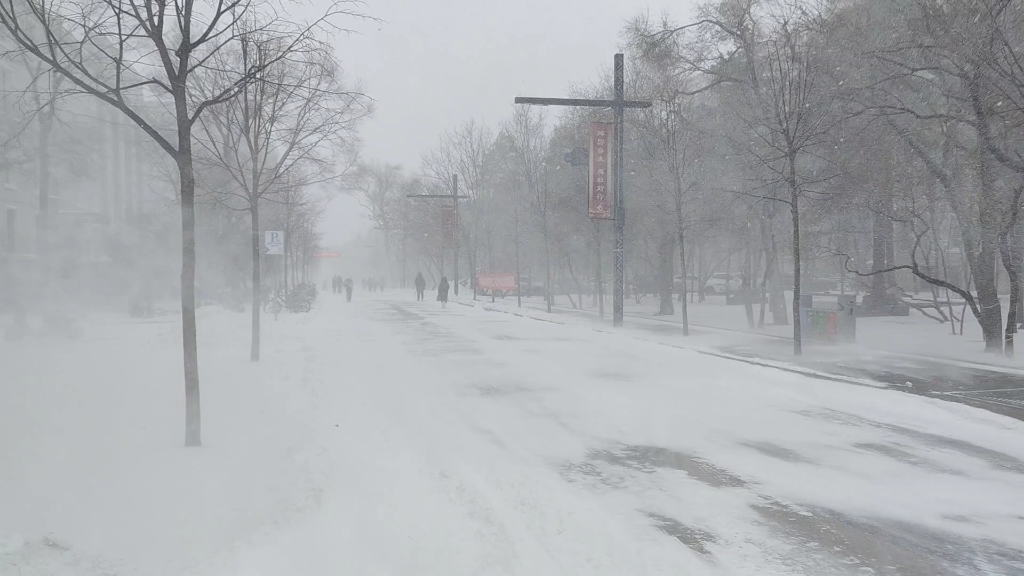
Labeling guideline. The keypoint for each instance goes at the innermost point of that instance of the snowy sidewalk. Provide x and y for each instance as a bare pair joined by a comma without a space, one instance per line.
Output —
982,380
388,436
913,336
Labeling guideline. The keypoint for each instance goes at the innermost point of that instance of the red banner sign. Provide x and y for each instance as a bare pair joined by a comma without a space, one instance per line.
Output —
448,223
602,193
503,282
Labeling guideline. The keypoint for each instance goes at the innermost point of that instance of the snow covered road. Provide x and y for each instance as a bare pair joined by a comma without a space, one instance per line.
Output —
388,436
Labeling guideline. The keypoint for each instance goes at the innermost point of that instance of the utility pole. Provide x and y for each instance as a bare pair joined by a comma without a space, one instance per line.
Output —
619,262
618,106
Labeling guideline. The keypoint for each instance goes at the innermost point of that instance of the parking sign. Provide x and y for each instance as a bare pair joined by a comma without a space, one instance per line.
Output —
274,241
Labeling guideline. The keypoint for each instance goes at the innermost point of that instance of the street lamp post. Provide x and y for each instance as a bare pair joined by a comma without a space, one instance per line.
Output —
454,197
618,106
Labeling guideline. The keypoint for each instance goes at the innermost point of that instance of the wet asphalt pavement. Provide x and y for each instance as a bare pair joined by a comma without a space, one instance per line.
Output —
996,390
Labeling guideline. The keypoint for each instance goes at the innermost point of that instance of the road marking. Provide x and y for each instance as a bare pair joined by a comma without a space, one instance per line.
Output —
955,392
1009,403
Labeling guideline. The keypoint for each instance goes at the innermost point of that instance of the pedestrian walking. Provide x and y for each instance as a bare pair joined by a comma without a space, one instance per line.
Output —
442,292
348,289
421,285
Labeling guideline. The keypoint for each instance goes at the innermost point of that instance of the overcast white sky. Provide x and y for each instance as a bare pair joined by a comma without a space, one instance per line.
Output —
433,64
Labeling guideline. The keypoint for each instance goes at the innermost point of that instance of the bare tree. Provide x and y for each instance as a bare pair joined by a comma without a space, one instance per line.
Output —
720,53
380,185
504,187
37,104
45,91
945,85
526,130
295,122
123,51
294,211
669,142
793,121
462,152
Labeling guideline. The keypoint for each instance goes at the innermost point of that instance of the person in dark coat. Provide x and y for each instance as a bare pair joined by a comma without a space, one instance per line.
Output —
347,283
442,292
421,285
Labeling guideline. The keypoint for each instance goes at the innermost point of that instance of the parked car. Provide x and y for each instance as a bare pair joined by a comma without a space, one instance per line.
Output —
531,288
692,283
810,284
722,283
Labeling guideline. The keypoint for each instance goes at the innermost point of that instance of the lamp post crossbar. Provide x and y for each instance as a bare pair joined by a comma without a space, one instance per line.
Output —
580,102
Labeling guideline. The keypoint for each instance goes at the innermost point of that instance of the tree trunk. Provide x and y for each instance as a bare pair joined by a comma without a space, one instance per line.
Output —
699,272
572,274
991,212
979,251
117,174
548,289
140,179
794,208
405,262
768,266
665,249
474,268
127,184
387,260
193,431
777,298
103,163
254,350
43,224
686,280
881,236
284,257
1006,253
680,233
991,318
747,291
1017,249
490,249
519,288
